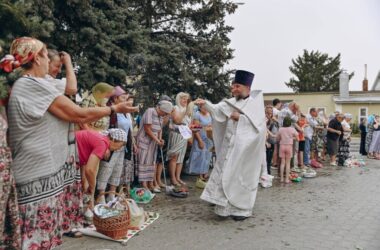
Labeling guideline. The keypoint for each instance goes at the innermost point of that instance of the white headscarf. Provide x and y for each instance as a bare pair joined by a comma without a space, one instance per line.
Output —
178,101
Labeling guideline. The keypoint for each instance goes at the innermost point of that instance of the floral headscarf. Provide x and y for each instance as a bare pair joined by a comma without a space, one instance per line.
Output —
22,51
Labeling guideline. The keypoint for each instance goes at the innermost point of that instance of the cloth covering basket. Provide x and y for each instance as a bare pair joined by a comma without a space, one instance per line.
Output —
115,227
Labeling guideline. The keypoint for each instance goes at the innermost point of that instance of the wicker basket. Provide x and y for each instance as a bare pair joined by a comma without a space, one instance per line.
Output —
115,227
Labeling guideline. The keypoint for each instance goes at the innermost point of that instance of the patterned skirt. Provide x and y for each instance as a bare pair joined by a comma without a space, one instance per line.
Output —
147,161
44,221
10,234
343,152
375,143
176,147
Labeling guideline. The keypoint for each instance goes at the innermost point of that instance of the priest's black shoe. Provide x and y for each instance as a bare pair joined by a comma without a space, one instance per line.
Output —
238,218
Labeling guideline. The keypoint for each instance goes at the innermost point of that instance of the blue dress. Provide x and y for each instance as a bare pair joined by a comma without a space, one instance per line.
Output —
199,160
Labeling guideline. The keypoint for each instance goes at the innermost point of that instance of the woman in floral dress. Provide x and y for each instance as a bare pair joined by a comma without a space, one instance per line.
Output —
10,235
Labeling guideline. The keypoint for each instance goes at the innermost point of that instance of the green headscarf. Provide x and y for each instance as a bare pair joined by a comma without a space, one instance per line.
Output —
101,88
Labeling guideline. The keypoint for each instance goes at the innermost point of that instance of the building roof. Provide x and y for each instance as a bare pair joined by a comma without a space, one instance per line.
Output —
376,83
357,99
354,93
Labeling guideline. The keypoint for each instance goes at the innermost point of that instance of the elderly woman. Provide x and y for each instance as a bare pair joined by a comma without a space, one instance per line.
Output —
99,96
110,170
148,138
125,122
67,85
177,144
318,140
369,136
92,148
344,144
39,117
374,148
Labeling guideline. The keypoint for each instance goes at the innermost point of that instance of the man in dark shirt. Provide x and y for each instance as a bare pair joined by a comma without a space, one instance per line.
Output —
334,134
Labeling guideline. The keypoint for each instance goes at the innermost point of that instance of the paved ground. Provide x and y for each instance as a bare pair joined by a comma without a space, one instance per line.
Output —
340,209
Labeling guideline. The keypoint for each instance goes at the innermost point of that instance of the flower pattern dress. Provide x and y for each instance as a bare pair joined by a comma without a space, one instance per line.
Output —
10,235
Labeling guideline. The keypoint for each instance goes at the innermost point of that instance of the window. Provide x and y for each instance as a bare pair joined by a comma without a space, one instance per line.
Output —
363,113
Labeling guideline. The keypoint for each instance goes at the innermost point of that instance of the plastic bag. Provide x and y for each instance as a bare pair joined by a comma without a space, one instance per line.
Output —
315,164
137,215
266,180
141,195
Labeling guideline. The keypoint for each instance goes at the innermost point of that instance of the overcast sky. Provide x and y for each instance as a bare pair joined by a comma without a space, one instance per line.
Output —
269,33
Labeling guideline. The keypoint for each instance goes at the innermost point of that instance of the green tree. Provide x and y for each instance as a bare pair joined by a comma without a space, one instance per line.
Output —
159,46
315,71
15,22
188,46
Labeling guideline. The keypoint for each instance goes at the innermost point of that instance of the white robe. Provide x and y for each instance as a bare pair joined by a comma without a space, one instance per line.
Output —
239,155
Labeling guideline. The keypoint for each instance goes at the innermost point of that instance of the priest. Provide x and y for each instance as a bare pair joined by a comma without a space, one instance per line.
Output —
239,132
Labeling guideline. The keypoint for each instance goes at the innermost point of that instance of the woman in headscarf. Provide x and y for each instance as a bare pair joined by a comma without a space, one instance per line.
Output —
148,138
110,170
44,172
92,148
177,144
374,148
125,121
99,96
344,144
368,140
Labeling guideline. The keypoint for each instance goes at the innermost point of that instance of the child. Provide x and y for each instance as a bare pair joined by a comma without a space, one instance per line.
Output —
285,136
302,123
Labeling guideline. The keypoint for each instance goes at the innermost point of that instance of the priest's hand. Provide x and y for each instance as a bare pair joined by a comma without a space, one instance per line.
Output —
199,102
235,116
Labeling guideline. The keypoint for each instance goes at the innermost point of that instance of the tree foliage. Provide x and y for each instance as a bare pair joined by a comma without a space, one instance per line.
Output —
158,47
315,71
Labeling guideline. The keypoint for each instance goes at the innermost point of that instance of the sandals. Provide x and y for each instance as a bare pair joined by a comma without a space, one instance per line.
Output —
73,234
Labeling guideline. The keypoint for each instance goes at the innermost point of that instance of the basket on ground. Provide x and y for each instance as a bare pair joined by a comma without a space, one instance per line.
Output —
115,227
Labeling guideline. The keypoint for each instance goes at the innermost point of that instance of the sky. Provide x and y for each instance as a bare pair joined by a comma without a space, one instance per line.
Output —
268,34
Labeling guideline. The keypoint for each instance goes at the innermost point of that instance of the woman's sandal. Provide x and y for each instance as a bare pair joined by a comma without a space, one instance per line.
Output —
73,234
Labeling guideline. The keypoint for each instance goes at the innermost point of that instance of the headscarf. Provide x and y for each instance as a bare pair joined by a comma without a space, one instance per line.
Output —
101,88
348,116
118,91
117,134
22,51
371,119
178,101
165,98
165,106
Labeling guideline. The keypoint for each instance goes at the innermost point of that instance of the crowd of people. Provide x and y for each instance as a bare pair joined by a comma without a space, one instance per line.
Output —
67,154
301,142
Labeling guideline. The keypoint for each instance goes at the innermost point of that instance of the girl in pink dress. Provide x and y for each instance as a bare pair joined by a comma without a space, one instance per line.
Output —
286,135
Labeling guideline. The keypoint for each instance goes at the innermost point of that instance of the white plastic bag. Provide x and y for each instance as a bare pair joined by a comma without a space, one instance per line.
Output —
266,180
137,215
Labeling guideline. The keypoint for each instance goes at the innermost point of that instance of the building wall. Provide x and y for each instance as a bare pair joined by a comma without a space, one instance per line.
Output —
305,100
372,108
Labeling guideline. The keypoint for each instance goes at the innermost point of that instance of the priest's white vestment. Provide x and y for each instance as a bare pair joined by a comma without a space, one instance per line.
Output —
239,146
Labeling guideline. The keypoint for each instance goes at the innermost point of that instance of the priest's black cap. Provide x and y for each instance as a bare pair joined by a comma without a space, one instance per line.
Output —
244,77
